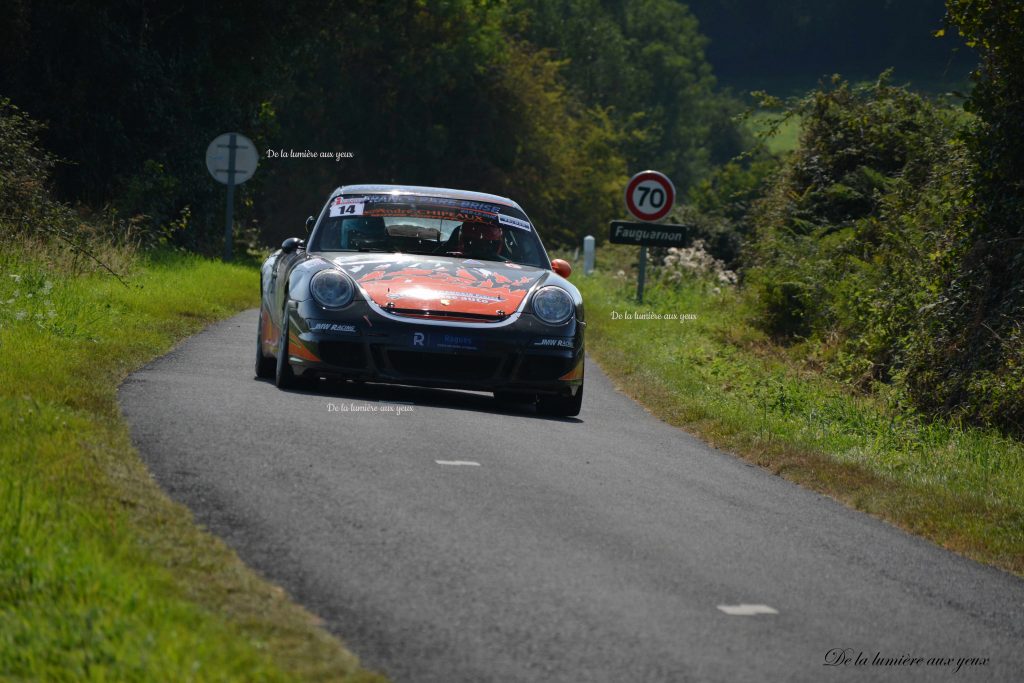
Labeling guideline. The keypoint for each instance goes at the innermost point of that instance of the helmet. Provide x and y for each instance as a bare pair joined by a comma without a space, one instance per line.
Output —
481,239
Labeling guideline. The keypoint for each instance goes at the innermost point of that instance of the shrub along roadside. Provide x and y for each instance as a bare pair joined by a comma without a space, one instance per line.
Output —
888,239
721,378
101,576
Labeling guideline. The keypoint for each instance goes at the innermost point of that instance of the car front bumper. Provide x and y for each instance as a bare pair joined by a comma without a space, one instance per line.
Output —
359,343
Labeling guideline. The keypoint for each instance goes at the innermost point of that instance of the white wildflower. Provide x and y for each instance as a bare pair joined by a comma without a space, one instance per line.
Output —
696,260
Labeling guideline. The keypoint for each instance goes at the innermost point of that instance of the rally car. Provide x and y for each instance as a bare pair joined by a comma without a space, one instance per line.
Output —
424,286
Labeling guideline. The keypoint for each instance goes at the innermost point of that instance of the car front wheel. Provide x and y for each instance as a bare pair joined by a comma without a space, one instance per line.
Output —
284,376
265,367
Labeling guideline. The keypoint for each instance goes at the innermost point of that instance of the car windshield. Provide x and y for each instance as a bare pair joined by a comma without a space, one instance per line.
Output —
428,225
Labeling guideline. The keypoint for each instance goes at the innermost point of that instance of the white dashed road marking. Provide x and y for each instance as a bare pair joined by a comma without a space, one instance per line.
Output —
458,462
747,610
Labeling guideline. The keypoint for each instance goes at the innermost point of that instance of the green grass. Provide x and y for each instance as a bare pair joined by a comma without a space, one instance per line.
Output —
785,139
101,576
722,379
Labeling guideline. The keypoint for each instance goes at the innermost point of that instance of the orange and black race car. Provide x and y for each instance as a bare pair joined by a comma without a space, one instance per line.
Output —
424,286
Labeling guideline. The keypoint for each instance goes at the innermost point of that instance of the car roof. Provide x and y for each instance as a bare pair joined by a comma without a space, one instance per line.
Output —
419,190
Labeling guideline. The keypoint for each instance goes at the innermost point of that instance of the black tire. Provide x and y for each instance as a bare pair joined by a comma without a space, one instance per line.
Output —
265,367
284,376
561,406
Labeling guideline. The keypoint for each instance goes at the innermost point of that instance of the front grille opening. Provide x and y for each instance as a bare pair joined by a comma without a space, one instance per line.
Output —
544,367
444,365
343,354
447,315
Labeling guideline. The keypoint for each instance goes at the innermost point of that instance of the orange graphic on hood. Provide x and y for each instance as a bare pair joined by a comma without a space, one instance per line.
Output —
445,288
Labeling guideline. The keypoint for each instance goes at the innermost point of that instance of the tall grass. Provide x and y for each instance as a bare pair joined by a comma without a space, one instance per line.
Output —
101,576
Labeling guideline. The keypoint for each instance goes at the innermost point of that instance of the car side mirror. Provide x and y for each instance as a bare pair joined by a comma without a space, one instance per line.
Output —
309,224
561,267
291,244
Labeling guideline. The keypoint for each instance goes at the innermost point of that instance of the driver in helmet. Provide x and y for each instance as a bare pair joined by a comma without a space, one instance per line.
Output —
482,241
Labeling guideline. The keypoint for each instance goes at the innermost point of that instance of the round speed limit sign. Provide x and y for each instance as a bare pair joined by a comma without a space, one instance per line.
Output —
650,195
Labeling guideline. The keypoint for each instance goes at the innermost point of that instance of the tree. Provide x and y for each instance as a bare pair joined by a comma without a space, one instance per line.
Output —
644,61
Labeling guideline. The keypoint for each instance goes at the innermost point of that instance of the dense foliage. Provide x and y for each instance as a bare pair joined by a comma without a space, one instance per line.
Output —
489,96
891,238
969,354
24,167
832,244
645,63
131,94
32,215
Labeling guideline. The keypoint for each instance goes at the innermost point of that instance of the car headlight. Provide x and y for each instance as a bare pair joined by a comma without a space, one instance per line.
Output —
332,288
553,305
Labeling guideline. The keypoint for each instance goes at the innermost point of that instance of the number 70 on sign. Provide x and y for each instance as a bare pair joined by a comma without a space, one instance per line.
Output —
650,195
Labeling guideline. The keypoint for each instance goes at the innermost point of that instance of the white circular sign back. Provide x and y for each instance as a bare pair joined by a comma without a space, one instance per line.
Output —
650,195
218,158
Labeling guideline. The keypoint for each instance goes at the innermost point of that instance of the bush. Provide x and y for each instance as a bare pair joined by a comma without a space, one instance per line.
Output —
31,217
25,168
719,205
968,357
891,237
827,240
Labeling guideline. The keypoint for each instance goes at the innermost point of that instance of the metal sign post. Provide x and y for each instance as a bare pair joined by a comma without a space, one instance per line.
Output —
649,197
642,275
231,159
230,210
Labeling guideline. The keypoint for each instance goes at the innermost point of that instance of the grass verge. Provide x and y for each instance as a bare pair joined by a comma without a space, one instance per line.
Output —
102,577
720,378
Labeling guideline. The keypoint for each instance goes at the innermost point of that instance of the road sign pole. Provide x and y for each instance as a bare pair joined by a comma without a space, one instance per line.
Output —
230,211
641,276
231,158
649,197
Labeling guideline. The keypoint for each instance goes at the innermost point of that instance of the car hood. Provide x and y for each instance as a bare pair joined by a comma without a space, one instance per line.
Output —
441,286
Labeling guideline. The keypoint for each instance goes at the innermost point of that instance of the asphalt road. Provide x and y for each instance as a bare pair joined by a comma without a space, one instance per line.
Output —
590,549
